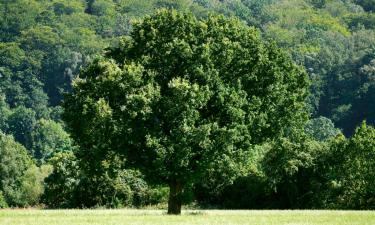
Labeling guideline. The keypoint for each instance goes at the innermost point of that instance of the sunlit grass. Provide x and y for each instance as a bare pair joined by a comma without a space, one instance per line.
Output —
141,217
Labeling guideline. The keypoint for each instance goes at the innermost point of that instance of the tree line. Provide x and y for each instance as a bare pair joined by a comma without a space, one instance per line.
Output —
44,45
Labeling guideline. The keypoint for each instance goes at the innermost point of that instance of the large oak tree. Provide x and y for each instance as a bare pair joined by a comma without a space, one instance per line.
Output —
180,95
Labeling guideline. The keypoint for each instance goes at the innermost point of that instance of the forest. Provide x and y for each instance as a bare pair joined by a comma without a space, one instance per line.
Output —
315,153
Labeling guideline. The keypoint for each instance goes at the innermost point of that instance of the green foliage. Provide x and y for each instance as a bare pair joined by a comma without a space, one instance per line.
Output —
354,87
22,183
14,161
321,129
201,90
32,185
62,7
4,113
120,189
21,123
366,20
45,43
71,185
62,182
49,137
157,195
368,5
316,34
226,184
290,168
335,174
17,16
3,203
352,170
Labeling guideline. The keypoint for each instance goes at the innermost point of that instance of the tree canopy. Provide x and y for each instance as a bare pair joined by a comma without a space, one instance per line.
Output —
180,94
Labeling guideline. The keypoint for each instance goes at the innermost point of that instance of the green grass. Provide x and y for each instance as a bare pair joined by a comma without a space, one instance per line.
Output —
155,217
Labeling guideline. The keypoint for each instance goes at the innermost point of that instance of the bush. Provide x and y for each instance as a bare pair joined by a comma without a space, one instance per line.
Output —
61,184
3,203
291,169
225,185
14,161
72,185
157,195
350,171
32,185
49,137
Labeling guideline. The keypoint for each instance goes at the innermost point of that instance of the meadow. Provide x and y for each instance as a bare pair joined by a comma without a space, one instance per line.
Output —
217,217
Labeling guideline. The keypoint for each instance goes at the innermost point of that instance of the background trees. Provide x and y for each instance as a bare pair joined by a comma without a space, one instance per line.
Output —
353,183
49,137
44,44
17,171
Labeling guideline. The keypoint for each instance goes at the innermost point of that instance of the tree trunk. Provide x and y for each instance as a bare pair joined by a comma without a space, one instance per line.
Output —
175,198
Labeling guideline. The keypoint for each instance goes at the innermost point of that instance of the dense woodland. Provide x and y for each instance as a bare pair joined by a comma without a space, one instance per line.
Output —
323,161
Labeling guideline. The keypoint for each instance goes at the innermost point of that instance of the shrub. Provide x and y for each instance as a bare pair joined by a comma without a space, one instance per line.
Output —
3,203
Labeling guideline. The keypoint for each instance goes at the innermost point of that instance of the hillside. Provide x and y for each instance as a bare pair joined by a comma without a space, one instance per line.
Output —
45,43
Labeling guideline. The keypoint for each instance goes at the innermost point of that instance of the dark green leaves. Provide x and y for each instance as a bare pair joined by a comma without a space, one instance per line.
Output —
180,94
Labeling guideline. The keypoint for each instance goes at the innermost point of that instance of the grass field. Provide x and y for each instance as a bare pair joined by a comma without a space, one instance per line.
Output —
155,217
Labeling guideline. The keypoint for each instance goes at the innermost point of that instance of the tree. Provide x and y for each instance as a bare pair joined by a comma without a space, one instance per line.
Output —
351,169
49,137
71,185
180,95
367,5
4,113
62,182
290,167
17,15
321,129
21,123
14,161
32,185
